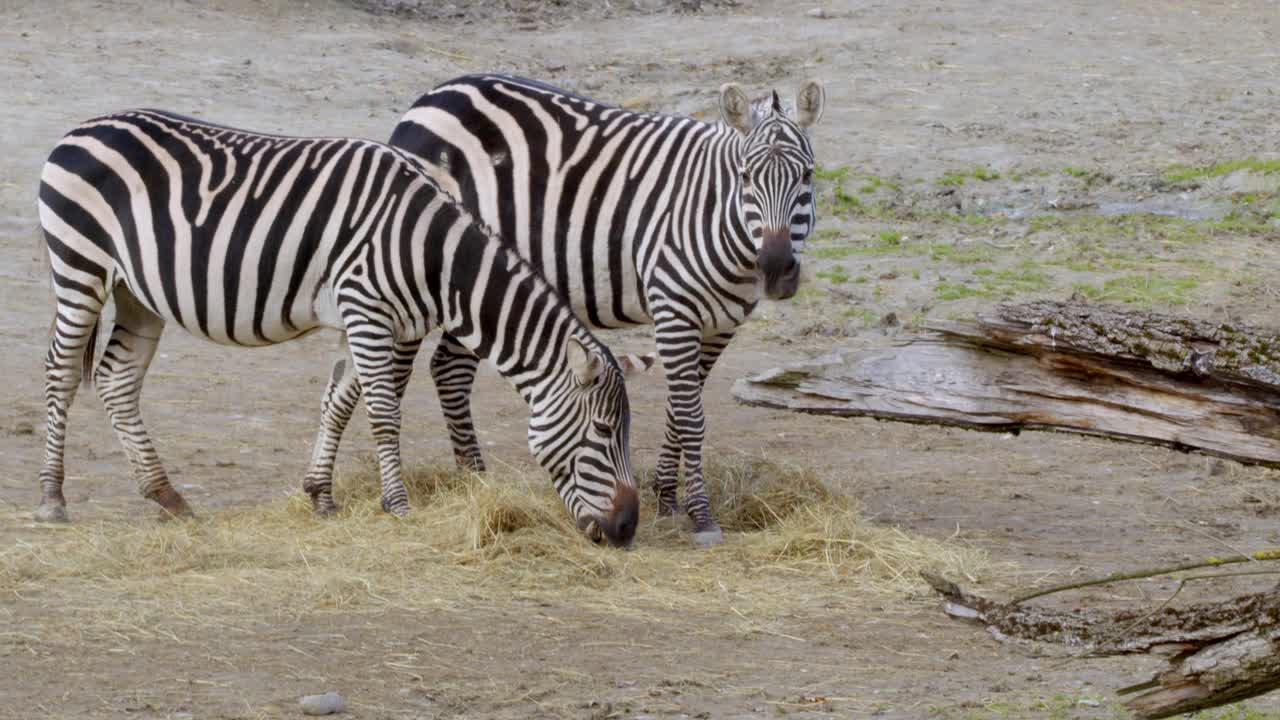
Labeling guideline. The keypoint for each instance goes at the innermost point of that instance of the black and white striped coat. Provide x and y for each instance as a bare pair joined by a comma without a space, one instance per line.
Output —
635,218
249,239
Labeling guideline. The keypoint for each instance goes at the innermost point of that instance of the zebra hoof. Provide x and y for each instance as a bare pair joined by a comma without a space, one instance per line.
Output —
707,538
400,511
324,510
51,513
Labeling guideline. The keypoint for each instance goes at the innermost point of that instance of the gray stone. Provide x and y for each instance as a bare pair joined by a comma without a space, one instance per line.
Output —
330,703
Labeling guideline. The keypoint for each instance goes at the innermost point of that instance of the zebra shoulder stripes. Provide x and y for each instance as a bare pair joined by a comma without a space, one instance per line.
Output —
249,239
635,218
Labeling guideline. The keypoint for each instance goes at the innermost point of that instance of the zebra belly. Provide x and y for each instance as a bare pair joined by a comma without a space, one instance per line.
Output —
242,330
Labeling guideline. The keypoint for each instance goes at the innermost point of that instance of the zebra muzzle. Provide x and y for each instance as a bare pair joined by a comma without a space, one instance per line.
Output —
618,525
778,265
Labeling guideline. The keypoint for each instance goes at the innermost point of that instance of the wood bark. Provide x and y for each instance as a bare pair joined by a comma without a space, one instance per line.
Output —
1133,376
1219,652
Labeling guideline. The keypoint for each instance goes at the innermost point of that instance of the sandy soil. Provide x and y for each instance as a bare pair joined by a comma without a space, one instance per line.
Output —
1124,89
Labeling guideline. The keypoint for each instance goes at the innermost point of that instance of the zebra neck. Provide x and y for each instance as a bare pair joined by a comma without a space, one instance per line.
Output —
496,305
732,239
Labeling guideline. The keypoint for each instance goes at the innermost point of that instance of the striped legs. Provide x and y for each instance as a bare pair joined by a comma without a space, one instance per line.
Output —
118,379
688,358
453,368
336,405
339,401
74,326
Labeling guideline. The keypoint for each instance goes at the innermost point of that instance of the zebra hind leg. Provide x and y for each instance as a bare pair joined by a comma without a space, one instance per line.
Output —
339,401
118,380
71,341
453,368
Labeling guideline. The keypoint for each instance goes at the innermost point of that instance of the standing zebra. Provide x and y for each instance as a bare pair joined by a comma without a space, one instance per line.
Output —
248,239
635,218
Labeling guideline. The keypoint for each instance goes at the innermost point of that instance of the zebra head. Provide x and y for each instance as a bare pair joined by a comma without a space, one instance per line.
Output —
775,178
580,435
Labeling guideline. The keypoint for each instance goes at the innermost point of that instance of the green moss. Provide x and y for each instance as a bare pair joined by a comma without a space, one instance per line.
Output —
1076,172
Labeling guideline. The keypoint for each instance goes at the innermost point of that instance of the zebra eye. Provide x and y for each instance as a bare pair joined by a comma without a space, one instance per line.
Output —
603,428
807,178
746,180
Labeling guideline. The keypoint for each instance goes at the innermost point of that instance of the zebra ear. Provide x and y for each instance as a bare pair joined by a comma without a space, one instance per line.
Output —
584,363
777,103
636,364
735,108
810,102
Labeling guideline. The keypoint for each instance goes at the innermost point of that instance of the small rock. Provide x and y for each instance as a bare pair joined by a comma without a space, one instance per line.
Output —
820,13
329,703
1088,702
182,716
24,428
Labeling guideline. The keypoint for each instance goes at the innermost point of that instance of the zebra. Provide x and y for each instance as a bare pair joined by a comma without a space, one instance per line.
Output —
635,218
248,239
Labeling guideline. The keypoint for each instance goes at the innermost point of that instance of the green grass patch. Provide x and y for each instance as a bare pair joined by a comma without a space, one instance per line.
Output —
889,237
1144,290
955,178
1184,173
831,174
992,283
836,252
835,274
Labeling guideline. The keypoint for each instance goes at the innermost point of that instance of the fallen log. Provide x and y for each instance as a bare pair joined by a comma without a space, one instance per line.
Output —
1220,652
1133,376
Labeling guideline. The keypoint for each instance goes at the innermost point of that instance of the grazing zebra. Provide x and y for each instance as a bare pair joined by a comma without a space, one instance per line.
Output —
248,239
635,218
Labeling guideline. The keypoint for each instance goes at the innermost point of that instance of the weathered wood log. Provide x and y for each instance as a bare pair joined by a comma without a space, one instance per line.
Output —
1054,366
1221,652
1179,345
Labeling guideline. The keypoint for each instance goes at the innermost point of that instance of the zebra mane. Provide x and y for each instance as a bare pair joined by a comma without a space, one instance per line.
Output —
428,172
762,107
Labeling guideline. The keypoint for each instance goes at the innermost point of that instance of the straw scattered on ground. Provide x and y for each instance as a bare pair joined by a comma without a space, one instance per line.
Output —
791,542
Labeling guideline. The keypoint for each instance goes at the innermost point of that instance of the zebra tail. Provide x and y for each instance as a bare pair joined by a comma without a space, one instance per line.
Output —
90,350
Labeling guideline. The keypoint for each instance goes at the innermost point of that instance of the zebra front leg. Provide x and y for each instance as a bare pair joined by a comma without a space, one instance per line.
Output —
373,351
453,368
118,379
75,325
706,531
339,402
681,348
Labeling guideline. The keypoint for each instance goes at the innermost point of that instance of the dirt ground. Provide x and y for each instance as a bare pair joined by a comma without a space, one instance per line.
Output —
993,150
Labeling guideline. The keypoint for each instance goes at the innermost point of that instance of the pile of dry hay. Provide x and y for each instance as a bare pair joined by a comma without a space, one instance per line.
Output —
789,539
